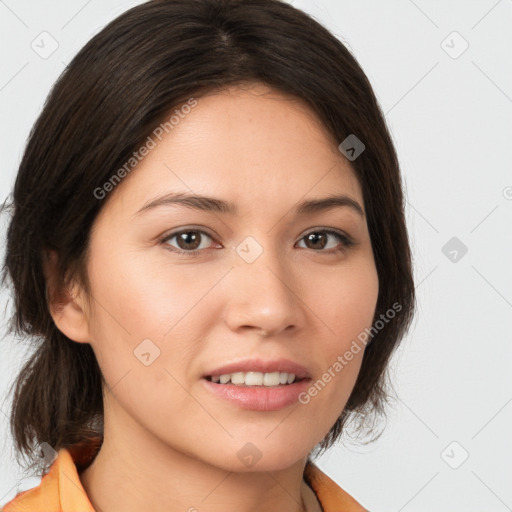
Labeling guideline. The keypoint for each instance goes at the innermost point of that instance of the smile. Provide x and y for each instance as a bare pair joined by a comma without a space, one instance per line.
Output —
254,378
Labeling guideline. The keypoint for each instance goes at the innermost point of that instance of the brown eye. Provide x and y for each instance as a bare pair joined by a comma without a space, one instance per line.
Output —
318,240
188,241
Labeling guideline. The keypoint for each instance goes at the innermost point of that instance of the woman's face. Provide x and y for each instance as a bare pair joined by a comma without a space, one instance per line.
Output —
266,283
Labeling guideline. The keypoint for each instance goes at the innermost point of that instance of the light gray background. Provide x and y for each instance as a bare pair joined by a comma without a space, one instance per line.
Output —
451,119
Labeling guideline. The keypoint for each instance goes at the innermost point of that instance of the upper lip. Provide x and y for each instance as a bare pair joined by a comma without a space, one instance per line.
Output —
260,365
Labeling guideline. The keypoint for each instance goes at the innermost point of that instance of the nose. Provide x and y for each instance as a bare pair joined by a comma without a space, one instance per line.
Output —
264,295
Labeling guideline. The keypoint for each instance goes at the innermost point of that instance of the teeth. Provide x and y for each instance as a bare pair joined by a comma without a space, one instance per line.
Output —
237,378
255,378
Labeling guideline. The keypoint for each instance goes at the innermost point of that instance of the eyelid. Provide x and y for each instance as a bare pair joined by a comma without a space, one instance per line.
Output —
177,231
328,230
346,240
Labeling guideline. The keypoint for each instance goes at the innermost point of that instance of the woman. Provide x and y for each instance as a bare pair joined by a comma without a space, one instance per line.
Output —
209,241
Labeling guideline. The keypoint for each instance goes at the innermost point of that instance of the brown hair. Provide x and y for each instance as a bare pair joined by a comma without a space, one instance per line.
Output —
116,90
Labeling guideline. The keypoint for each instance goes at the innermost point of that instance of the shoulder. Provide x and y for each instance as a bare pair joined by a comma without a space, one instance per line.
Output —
59,490
330,495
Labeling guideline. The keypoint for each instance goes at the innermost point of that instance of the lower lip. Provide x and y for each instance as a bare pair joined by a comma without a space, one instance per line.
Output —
259,398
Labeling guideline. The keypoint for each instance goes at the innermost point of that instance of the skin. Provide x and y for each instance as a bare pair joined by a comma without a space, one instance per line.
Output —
169,443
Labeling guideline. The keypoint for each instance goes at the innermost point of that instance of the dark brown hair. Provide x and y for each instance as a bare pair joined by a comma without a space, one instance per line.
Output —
117,89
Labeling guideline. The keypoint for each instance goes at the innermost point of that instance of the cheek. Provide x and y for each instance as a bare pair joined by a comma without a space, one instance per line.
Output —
138,296
138,329
346,301
347,307
147,311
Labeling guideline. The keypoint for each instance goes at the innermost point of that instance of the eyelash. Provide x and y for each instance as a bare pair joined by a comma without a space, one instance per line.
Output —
346,241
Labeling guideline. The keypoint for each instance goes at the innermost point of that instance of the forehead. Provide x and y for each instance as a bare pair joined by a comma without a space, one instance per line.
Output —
251,145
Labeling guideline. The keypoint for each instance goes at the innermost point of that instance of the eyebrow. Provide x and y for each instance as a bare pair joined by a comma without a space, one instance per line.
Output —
212,204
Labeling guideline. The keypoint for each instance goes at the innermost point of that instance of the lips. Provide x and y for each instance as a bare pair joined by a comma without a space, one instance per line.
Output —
260,365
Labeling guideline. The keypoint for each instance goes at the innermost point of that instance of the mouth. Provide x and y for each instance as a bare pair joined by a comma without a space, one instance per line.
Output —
258,384
257,391
256,379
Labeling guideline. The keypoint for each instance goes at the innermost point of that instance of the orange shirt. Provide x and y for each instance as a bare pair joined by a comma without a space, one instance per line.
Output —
60,489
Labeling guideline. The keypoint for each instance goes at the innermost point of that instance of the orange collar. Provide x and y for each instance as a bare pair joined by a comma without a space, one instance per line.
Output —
61,490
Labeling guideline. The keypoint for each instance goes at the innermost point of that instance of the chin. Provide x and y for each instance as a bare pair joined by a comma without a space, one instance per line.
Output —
260,455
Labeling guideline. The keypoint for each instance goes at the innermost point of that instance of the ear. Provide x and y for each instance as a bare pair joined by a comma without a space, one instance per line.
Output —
67,307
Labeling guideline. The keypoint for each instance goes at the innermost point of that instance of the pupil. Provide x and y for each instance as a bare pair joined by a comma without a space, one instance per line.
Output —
315,237
185,237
